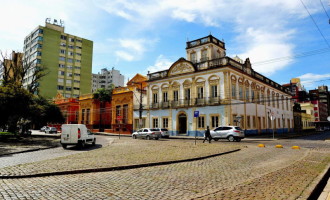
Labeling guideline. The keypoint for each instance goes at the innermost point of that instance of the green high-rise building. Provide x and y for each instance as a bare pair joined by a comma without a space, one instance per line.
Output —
66,58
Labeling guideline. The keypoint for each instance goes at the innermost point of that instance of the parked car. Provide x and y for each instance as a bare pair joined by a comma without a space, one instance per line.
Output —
164,132
147,133
51,130
44,128
231,133
76,134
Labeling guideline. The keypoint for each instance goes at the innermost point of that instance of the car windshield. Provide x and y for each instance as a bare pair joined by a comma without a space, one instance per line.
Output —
164,129
238,128
154,129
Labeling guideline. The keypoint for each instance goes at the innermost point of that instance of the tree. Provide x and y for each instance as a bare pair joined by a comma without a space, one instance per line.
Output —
18,105
103,95
16,68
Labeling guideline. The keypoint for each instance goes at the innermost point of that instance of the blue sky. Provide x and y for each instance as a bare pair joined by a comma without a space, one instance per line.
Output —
149,35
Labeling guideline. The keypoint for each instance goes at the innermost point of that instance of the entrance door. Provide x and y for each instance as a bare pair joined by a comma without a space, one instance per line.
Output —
182,124
259,124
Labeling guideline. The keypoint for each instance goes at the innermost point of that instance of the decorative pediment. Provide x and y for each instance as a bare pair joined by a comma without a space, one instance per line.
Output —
181,66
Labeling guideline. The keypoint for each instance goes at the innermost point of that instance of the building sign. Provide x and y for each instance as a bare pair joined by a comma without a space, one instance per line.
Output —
196,113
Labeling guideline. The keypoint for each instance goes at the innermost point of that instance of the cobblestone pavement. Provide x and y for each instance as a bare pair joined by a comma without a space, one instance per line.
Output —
252,173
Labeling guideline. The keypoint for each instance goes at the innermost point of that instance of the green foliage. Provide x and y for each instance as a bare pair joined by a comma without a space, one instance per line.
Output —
103,95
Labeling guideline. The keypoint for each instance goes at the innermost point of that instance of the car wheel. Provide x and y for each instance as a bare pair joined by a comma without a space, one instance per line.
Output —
231,138
64,146
94,142
238,139
215,139
156,138
82,144
148,137
134,136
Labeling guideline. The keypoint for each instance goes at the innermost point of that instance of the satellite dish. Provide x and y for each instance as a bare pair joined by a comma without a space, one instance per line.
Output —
328,118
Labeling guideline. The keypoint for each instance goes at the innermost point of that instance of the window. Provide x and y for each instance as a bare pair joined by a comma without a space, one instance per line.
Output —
63,44
165,122
240,92
155,97
155,122
262,98
61,73
78,54
247,121
78,61
247,94
76,88
77,47
60,80
277,102
69,67
200,123
204,55
187,93
70,53
71,40
214,91
62,51
125,113
68,81
87,115
165,97
76,81
69,60
62,58
176,95
233,90
69,74
63,37
76,74
60,87
215,121
78,40
83,115
273,99
68,88
253,95
254,122
200,92
193,57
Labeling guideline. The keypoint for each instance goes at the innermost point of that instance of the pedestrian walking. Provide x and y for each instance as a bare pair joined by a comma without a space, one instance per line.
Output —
207,135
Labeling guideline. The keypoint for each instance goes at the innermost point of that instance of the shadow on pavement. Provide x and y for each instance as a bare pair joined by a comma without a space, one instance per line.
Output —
88,147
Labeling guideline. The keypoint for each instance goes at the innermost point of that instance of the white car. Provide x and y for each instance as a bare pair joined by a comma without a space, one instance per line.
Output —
231,133
147,133
76,134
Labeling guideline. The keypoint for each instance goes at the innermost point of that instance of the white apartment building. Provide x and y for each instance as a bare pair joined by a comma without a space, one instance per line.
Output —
107,77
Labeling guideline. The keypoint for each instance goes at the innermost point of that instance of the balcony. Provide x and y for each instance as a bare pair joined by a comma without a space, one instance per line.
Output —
184,103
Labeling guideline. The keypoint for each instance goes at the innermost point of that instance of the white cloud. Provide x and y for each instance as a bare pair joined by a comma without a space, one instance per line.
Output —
133,49
262,27
161,63
311,80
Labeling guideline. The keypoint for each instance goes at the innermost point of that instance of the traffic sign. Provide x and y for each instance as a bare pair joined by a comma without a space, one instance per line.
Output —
196,113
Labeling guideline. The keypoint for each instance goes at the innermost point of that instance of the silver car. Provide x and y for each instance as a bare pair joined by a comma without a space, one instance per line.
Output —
147,133
232,133
164,132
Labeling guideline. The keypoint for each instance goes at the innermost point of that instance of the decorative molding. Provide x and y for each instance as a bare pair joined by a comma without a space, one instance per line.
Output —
181,68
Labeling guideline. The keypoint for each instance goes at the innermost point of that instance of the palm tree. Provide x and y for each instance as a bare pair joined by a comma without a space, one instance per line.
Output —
103,95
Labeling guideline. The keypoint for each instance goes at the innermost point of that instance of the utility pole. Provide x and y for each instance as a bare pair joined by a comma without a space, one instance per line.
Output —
141,106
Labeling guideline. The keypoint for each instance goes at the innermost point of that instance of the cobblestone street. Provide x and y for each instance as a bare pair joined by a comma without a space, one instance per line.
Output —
251,173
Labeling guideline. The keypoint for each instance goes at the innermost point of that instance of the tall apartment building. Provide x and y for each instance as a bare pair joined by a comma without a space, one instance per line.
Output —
106,78
67,59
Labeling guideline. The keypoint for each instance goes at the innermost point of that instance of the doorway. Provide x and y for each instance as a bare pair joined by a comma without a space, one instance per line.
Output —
182,123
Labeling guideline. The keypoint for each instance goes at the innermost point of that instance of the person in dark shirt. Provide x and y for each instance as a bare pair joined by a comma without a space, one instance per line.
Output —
207,135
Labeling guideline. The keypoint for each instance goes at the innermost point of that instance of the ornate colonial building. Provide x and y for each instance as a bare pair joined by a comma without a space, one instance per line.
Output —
224,91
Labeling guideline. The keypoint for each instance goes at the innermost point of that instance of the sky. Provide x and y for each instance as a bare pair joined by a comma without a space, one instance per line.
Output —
284,39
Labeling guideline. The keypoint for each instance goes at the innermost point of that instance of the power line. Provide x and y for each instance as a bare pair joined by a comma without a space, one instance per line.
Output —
315,24
325,10
300,55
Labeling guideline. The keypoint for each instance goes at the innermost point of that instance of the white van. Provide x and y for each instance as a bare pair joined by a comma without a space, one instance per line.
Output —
76,134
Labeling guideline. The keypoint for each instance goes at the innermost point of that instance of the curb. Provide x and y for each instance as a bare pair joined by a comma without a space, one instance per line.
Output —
321,184
119,168
26,151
